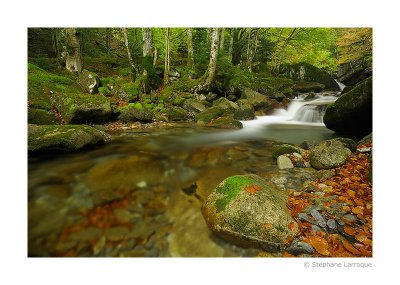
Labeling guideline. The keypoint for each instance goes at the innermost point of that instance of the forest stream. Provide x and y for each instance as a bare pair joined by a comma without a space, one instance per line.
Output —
167,173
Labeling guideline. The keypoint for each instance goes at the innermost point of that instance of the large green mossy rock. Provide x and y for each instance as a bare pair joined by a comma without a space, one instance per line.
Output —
175,113
42,117
226,104
249,212
329,154
193,105
258,100
88,81
134,112
307,72
83,108
245,110
42,84
225,122
63,137
207,115
351,113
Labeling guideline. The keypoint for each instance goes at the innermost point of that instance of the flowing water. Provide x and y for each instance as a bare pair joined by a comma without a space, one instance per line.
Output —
161,177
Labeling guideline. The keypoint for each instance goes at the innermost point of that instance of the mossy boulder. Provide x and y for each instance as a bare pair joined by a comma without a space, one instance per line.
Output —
82,108
305,86
134,112
129,92
351,113
329,154
63,137
42,117
42,84
285,149
193,105
245,110
175,113
307,72
207,115
259,101
248,211
225,104
88,81
225,122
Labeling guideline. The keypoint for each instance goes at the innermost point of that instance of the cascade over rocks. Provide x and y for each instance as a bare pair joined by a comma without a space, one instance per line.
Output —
351,113
63,137
248,211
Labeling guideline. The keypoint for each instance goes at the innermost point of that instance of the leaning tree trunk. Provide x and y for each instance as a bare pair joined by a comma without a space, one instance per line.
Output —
190,61
212,66
166,64
72,50
147,50
133,67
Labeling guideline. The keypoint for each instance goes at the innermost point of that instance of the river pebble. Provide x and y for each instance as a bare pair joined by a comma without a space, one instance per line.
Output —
320,219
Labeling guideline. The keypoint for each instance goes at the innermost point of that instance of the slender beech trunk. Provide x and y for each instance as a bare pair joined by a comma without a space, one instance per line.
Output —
190,61
166,63
147,50
72,49
212,66
222,40
108,40
128,50
155,56
230,45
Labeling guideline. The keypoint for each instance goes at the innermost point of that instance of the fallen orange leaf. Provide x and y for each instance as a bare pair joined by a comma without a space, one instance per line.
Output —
252,188
319,243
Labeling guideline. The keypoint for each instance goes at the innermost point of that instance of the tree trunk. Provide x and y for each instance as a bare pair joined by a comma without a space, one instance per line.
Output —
279,57
190,61
222,40
125,32
212,66
147,50
230,45
155,56
166,63
72,50
108,40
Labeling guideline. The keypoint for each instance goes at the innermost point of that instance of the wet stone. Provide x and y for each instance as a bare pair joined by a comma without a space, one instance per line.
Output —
331,223
350,218
98,247
316,215
315,228
299,247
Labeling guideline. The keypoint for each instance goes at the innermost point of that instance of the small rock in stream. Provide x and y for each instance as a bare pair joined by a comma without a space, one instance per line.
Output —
304,217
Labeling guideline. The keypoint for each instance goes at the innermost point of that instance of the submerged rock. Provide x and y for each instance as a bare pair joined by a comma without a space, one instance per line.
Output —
329,154
248,211
114,179
284,162
63,137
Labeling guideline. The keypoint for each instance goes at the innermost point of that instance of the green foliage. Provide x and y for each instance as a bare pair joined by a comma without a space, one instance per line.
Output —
355,44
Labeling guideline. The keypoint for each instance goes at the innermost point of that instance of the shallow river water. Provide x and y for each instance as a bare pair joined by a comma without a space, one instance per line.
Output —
141,194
